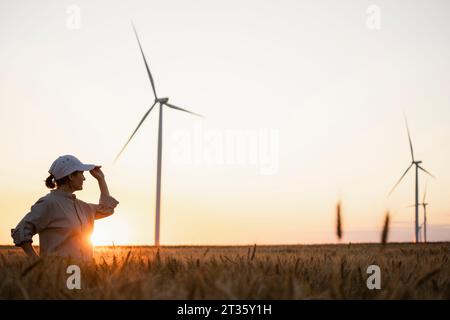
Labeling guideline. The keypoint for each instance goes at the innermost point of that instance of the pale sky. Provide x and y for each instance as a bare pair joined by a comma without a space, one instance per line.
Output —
318,91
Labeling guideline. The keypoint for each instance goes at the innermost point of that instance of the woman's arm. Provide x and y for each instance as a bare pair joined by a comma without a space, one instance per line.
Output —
98,174
29,250
32,223
107,203
103,186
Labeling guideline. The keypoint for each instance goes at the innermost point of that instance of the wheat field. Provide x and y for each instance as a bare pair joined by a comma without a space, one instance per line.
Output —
408,271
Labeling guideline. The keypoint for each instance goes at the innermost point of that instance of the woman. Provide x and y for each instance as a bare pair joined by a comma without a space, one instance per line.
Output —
63,222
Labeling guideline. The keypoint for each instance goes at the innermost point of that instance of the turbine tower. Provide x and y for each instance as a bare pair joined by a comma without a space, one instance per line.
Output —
162,102
424,204
417,165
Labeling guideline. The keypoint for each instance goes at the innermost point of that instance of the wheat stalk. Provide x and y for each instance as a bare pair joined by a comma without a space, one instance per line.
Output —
338,221
384,234
253,253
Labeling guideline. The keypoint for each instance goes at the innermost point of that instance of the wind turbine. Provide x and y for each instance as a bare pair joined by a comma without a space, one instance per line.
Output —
424,205
162,102
418,166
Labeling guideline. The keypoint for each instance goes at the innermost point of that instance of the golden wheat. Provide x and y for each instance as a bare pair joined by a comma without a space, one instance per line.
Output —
409,271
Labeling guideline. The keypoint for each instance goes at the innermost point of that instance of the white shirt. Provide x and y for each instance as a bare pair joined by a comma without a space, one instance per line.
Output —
64,224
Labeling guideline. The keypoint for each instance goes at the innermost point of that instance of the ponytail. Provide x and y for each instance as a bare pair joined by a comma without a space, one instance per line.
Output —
50,182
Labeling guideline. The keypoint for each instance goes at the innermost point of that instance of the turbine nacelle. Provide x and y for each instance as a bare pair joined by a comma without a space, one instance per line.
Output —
161,100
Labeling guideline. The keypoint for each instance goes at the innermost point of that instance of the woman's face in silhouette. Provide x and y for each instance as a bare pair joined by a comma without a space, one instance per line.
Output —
76,180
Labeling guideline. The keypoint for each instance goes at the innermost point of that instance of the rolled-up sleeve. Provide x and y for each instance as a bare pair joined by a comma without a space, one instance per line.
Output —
33,222
105,207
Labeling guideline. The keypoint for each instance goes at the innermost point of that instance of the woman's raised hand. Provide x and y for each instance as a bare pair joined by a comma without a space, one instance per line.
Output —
97,173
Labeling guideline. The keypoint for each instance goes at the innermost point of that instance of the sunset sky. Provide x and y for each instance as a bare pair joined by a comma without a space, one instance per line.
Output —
303,105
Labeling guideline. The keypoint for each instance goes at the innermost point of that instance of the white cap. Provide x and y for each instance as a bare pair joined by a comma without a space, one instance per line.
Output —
67,164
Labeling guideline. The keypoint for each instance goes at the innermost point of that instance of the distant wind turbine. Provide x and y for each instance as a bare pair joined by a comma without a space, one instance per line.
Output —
418,166
162,102
424,204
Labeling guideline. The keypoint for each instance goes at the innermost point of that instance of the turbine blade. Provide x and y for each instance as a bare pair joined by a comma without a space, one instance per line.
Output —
399,180
425,171
413,205
409,137
181,109
134,132
145,61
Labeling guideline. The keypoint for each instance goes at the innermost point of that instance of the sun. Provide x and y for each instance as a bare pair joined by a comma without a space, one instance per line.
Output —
112,232
102,237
